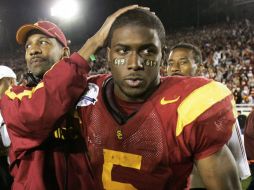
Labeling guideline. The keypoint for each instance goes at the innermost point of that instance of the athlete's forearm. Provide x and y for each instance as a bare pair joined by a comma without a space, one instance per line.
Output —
219,171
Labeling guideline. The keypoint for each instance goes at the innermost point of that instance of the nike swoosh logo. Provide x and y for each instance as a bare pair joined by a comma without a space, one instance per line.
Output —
164,102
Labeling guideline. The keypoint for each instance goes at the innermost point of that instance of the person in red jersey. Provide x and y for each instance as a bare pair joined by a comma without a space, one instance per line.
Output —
184,59
249,136
144,131
249,144
47,151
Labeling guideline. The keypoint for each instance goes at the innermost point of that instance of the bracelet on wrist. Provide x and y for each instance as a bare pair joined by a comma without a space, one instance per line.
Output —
92,58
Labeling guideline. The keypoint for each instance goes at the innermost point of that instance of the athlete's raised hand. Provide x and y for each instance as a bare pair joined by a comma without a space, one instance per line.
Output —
98,40
102,34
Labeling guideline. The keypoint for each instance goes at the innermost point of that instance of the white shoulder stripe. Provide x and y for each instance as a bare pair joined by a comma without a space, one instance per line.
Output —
236,146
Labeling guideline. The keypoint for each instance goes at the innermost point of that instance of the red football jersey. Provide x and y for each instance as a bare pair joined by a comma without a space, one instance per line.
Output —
46,152
184,119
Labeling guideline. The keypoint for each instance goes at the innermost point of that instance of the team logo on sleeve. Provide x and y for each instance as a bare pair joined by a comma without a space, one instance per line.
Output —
90,96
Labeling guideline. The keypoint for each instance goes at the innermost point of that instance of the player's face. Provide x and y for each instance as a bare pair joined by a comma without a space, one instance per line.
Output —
134,59
41,53
181,62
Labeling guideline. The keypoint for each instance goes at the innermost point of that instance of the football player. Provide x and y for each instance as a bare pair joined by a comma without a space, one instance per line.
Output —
184,59
146,132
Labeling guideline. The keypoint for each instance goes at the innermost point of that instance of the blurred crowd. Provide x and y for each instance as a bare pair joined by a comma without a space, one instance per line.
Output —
227,49
228,55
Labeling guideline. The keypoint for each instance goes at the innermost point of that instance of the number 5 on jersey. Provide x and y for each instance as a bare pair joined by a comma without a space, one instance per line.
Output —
124,159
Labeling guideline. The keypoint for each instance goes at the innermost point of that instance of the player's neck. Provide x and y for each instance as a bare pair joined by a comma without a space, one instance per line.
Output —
126,107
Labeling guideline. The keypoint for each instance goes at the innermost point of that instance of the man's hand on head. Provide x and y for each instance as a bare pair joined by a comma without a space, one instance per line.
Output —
98,40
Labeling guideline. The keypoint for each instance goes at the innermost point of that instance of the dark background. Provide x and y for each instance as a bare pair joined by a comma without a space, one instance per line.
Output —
174,14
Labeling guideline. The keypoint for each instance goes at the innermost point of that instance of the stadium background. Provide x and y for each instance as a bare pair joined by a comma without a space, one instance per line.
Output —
222,29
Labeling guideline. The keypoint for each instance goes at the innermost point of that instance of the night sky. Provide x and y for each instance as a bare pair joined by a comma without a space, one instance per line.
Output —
173,13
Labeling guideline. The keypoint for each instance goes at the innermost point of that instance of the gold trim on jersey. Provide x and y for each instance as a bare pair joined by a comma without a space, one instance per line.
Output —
198,102
28,93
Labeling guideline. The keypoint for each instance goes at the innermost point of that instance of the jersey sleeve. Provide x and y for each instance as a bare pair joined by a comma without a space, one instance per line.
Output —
205,119
30,114
213,129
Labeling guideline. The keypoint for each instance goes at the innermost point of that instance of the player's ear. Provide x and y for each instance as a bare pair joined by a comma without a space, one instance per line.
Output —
66,52
164,53
108,54
13,81
194,69
109,58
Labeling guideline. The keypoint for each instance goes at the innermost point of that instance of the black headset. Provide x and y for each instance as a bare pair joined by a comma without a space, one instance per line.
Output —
31,79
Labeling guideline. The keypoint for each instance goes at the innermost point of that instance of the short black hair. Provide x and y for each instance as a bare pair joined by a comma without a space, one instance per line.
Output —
138,17
195,51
